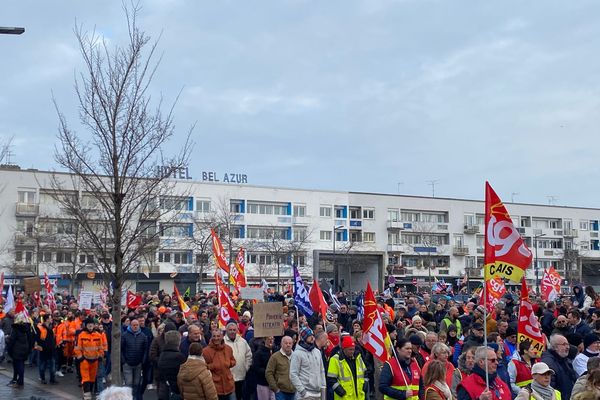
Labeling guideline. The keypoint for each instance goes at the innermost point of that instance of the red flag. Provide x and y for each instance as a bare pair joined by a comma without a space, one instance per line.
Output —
1,287
36,298
550,284
238,275
185,309
317,301
375,336
226,308
506,254
50,301
133,300
495,289
219,252
528,327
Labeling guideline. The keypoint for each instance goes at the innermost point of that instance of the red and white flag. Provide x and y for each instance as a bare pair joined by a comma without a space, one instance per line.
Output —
50,301
219,253
375,335
506,254
238,274
133,300
494,290
529,327
551,284
185,309
226,309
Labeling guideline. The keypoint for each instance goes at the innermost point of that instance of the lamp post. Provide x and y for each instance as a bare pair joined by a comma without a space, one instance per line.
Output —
335,271
537,268
6,30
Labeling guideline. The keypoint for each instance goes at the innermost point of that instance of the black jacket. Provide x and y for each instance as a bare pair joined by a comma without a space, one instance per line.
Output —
20,342
48,344
564,376
168,364
260,359
134,347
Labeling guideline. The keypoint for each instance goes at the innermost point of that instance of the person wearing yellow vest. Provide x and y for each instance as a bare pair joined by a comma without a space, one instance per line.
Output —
89,349
45,343
401,376
540,388
519,367
346,374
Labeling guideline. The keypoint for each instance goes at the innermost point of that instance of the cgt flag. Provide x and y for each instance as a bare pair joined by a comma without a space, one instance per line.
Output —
494,290
529,327
185,309
375,336
550,284
134,300
506,254
226,309
238,275
219,252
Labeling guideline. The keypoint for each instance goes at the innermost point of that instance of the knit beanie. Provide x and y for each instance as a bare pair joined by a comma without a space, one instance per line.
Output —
305,333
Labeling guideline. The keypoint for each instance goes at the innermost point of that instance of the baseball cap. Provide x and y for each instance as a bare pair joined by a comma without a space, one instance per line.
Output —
540,368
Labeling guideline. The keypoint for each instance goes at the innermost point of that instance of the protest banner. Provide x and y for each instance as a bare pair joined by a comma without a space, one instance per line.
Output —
268,319
32,285
85,300
250,293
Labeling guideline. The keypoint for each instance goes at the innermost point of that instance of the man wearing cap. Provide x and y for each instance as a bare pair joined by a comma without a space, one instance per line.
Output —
479,314
475,338
556,357
474,386
591,345
242,355
451,319
306,368
540,388
244,323
416,344
346,374
510,343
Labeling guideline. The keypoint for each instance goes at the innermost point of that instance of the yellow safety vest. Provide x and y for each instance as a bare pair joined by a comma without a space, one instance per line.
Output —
556,395
340,370
398,380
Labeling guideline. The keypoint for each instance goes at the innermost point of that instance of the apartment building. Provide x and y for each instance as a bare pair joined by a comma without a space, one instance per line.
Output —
345,237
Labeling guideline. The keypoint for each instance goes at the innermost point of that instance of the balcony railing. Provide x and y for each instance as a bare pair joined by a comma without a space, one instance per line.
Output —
27,209
460,251
471,229
24,239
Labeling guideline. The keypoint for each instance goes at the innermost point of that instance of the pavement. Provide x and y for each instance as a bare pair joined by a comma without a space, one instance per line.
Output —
67,387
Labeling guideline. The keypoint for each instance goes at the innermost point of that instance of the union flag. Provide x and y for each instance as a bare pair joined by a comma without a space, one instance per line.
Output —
219,253
375,336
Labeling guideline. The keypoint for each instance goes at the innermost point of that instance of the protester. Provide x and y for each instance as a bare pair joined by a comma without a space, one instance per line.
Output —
134,352
466,361
88,351
347,373
277,373
194,378
45,344
434,380
540,387
220,361
168,363
260,360
556,357
242,355
18,347
307,371
591,345
401,376
474,387
593,364
519,367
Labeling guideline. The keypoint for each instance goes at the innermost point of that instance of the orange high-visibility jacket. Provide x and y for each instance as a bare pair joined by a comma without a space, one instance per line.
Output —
89,346
72,328
104,341
60,332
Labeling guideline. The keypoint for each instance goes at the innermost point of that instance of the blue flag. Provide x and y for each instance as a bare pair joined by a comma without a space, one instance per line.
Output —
301,295
360,304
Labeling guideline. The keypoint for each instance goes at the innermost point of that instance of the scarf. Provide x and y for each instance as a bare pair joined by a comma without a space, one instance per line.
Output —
481,372
546,392
443,386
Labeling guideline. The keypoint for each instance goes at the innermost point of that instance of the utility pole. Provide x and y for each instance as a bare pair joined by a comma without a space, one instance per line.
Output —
432,183
400,184
512,196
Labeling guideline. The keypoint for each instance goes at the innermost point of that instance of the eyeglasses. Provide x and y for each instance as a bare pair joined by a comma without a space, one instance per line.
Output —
562,344
493,360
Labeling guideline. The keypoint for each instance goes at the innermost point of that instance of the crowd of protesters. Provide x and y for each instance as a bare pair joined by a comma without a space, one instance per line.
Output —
438,349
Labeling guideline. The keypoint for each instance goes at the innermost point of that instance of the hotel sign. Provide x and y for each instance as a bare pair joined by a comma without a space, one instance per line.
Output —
183,173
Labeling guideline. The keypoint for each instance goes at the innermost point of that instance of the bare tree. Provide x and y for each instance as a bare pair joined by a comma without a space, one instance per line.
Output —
118,164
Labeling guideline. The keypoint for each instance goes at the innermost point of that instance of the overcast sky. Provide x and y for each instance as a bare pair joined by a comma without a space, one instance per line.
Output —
346,95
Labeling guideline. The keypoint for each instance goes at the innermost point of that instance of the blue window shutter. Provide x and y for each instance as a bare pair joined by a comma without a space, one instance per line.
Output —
289,209
345,235
190,230
190,206
345,212
243,207
242,232
190,257
289,233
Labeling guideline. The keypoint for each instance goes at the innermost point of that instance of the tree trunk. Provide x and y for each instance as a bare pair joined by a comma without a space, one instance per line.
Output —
115,350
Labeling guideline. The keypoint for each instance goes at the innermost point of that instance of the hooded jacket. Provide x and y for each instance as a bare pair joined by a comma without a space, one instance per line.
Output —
306,371
220,361
195,382
242,355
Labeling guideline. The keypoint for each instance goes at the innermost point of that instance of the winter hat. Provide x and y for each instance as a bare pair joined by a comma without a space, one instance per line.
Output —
305,333
493,346
589,339
172,338
247,314
510,331
347,341
452,327
390,328
480,309
330,328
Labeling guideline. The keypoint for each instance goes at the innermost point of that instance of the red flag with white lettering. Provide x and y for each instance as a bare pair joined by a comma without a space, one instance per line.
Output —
506,254
375,336
529,327
550,284
133,300
219,252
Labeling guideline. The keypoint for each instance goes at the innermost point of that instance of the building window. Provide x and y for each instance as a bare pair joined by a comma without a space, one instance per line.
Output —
325,235
86,259
369,237
203,205
267,208
202,259
66,228
408,216
236,206
393,214
299,234
47,256
368,213
175,203
25,226
300,260
164,257
354,213
26,196
339,212
584,225
256,232
63,257
469,219
237,232
355,236
325,211
182,257
176,230
393,238
480,219
299,210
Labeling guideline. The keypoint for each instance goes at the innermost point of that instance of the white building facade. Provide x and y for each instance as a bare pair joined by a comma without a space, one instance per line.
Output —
344,237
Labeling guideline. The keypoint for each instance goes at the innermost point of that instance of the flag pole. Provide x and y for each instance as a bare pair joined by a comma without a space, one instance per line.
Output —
485,342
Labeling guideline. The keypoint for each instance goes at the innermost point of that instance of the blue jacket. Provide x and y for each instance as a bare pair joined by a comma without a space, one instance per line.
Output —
134,347
564,376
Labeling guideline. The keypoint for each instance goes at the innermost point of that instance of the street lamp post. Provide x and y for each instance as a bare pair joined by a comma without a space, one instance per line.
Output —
536,266
335,271
6,30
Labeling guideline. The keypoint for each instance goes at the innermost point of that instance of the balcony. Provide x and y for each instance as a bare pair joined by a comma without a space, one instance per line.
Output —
24,239
395,225
471,229
27,209
460,251
474,272
570,233
397,269
396,248
150,215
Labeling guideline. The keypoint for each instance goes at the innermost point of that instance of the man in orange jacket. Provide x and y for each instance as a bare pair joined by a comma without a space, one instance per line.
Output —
89,350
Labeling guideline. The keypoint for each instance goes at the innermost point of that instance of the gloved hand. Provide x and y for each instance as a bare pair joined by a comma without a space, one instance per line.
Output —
340,391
